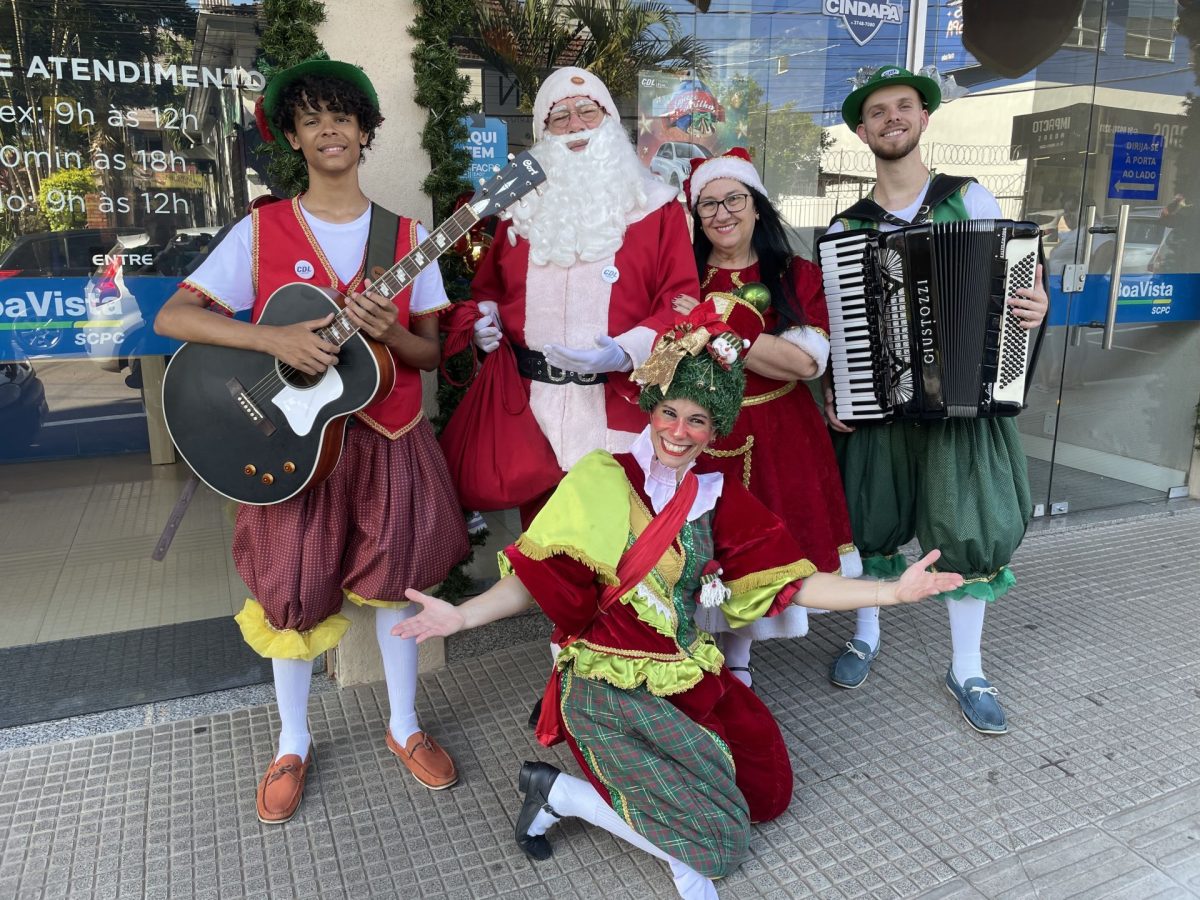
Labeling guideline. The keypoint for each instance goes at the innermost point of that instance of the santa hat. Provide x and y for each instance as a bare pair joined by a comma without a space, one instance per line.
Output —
733,163
569,81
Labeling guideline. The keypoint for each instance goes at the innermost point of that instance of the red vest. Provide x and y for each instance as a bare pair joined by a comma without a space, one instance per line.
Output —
280,230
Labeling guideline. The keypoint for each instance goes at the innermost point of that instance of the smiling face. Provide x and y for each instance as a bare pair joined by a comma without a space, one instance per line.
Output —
679,430
330,140
893,121
728,231
574,115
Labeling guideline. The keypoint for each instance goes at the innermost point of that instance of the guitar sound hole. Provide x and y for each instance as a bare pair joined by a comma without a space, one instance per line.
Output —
295,377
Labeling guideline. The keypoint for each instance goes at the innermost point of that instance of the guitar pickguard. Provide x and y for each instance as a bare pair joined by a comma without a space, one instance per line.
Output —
302,406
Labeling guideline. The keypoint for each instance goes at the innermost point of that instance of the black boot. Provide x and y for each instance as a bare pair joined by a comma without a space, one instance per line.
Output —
534,782
535,713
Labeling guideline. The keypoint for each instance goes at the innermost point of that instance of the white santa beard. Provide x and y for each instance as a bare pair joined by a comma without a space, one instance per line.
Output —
589,196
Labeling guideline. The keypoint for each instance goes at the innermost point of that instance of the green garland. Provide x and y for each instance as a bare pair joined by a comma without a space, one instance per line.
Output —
443,92
289,38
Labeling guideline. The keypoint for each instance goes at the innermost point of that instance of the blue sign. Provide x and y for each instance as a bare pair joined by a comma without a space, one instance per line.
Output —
863,18
83,317
1143,298
1136,166
487,142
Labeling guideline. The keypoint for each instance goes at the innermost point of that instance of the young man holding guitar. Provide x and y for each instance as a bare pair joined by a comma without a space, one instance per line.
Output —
386,519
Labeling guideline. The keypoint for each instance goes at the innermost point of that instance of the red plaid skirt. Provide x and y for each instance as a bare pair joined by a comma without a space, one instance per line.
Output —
387,519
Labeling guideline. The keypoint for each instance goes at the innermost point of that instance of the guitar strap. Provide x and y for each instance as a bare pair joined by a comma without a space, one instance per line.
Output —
381,241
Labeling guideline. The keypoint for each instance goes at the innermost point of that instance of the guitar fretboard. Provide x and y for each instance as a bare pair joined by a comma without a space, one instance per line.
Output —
401,275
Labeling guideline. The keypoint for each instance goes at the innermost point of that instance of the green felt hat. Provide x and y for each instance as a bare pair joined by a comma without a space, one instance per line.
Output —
886,76
342,71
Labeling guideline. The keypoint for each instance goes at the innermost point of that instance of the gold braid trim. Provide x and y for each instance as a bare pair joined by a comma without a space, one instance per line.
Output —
756,399
982,579
634,654
746,449
538,553
780,574
843,549
334,281
381,429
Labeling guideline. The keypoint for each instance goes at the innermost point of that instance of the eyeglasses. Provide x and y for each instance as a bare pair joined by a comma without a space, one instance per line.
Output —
734,203
589,114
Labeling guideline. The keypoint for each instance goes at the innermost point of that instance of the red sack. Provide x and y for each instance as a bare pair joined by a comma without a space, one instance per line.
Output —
495,450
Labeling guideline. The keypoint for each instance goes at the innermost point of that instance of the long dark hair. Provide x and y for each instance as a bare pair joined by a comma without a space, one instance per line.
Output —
774,252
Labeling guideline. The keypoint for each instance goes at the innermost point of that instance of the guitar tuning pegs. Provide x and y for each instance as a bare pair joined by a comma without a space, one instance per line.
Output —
483,181
511,157
522,202
495,169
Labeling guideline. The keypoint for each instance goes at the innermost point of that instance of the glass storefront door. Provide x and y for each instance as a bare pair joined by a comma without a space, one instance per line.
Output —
1126,323
1100,156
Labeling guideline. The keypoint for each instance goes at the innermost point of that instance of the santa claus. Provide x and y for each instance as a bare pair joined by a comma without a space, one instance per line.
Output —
582,277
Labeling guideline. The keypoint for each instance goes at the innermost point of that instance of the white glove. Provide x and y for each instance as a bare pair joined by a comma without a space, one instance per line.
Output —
487,327
608,357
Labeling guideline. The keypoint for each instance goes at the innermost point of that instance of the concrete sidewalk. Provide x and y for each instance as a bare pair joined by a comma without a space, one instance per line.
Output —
1095,792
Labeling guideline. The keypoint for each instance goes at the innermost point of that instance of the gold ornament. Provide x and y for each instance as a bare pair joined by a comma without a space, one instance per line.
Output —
659,367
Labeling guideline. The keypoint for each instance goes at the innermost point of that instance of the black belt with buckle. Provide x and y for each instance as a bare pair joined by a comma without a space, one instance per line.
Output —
533,365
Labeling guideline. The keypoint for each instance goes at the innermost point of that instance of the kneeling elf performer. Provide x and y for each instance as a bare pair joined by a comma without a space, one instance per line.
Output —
678,756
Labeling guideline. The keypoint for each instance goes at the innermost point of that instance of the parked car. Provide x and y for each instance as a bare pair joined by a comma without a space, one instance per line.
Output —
1143,236
672,161
59,253
22,407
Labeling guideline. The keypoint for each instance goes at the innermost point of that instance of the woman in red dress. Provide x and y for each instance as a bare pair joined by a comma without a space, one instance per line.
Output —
780,449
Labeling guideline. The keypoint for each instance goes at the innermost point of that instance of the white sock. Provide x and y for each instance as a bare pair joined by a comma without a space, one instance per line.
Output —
399,670
571,796
866,628
736,648
966,634
293,677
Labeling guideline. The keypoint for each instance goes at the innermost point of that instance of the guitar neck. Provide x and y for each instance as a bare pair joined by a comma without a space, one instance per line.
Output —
401,275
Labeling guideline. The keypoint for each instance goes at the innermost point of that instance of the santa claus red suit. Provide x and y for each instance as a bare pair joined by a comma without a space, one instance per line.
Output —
581,278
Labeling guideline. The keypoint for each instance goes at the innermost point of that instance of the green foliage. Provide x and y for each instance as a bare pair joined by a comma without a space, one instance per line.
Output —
289,38
443,92
55,195
615,39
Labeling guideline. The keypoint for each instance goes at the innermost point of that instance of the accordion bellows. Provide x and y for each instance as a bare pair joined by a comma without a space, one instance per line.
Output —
919,323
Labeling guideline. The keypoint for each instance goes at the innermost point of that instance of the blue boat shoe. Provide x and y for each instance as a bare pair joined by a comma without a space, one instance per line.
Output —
852,666
980,708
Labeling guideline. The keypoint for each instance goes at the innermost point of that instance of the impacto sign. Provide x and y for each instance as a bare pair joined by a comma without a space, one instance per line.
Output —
863,18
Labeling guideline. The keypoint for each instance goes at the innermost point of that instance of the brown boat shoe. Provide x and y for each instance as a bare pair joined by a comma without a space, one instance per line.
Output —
282,788
426,760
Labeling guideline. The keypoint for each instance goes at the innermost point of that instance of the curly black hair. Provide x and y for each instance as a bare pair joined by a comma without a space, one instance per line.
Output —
309,91
774,252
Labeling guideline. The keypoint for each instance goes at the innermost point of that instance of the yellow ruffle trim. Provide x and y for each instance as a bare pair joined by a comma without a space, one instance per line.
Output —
537,552
267,640
660,674
378,604
753,594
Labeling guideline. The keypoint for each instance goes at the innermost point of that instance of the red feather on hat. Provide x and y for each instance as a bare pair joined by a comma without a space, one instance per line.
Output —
260,119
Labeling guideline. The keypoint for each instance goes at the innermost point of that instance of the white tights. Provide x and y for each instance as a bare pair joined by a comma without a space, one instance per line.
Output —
571,796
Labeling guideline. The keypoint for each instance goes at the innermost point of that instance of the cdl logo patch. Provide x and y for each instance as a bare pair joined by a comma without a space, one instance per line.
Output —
305,269
863,18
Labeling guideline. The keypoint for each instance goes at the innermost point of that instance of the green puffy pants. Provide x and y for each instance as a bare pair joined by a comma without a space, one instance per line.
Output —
959,485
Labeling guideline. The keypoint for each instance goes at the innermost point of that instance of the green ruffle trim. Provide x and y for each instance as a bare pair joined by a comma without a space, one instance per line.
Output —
661,677
988,589
885,567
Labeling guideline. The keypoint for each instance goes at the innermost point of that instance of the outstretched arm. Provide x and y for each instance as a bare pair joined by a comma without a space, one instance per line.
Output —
825,591
437,618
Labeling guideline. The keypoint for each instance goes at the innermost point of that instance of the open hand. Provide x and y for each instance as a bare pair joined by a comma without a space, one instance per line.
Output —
918,582
302,348
1030,304
437,618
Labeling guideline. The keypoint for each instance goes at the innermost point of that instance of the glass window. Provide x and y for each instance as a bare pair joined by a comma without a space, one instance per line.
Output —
1150,29
1089,31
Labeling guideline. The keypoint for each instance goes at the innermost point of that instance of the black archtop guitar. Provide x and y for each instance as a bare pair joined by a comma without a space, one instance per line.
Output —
256,430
